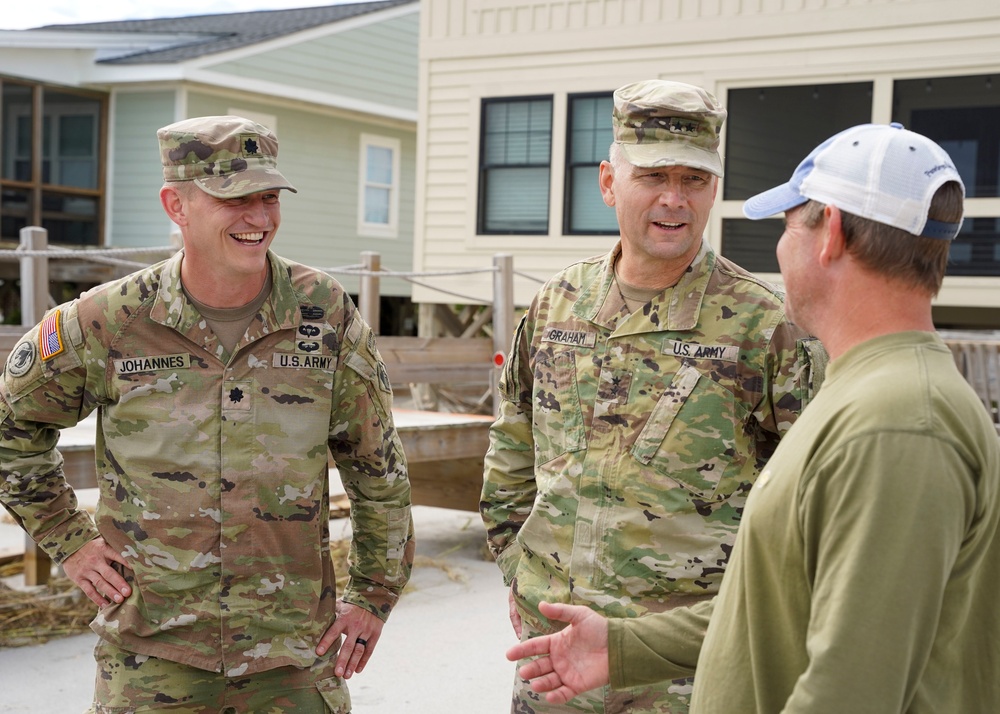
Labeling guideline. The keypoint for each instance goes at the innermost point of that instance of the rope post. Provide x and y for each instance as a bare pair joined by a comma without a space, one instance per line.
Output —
34,276
368,292
34,301
503,318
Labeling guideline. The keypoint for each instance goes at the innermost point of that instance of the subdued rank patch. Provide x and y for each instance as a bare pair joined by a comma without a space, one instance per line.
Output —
50,342
694,350
676,125
21,358
577,338
250,144
237,396
154,363
303,361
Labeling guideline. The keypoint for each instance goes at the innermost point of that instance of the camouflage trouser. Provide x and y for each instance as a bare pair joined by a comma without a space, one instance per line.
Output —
671,697
128,683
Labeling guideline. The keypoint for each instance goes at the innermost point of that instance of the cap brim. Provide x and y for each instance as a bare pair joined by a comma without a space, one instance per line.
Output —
667,153
772,202
244,183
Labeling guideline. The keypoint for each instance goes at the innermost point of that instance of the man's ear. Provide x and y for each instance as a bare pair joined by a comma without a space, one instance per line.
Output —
174,205
833,245
606,177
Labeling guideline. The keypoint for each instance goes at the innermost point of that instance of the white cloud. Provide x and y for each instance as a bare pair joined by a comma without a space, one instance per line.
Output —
25,14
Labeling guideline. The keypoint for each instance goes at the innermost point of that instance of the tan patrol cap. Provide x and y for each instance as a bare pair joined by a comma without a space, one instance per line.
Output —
226,156
661,123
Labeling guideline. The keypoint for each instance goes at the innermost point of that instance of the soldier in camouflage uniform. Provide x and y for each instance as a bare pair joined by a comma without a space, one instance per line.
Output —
220,377
645,389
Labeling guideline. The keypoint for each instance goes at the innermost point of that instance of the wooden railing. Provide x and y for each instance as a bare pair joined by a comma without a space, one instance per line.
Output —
977,356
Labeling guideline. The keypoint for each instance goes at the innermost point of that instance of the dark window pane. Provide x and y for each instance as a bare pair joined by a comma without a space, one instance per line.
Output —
16,131
976,250
517,201
71,139
963,115
14,212
587,211
590,129
70,219
771,129
752,244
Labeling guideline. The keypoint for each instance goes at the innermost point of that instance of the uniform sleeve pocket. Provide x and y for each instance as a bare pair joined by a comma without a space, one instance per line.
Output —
558,418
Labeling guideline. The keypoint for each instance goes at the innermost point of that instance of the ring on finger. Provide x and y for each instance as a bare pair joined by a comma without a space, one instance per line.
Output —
361,641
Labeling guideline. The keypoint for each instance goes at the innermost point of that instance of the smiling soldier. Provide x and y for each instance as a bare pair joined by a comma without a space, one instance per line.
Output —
220,378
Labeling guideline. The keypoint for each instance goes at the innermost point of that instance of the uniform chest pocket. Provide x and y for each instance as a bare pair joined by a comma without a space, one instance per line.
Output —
557,416
690,436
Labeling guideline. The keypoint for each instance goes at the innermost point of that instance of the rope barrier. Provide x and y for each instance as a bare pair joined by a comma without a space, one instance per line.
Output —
18,253
105,256
408,274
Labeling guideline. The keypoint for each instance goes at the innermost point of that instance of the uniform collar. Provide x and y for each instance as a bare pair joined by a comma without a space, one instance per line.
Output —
173,309
602,303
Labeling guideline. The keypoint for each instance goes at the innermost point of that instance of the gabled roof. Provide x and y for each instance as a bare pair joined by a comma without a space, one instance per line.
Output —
222,32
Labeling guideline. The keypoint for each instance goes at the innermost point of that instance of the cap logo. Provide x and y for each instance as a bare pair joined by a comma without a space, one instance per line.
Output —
939,167
251,145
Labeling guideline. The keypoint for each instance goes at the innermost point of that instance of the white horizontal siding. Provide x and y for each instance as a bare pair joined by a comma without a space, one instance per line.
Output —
475,49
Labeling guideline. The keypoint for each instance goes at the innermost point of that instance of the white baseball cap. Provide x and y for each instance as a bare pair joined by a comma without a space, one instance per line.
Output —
881,172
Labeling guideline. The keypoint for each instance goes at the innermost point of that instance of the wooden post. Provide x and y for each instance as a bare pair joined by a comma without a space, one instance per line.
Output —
34,276
34,302
368,289
503,317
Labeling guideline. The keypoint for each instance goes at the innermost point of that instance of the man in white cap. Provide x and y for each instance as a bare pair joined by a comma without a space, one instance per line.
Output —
646,389
867,566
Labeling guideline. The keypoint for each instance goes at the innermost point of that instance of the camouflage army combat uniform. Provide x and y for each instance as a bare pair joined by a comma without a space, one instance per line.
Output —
213,472
626,444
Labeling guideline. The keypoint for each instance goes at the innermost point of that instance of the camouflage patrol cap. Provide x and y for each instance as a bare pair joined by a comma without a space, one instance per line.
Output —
662,123
225,156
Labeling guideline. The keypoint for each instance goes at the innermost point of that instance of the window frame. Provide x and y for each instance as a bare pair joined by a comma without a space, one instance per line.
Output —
368,229
483,168
36,188
568,185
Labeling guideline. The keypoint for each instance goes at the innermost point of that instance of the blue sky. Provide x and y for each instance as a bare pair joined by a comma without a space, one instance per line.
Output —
23,14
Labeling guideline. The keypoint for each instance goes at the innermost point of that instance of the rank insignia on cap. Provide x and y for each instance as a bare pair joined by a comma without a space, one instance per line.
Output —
50,341
251,144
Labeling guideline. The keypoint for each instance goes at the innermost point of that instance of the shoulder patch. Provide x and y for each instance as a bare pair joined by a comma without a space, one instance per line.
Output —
21,358
50,339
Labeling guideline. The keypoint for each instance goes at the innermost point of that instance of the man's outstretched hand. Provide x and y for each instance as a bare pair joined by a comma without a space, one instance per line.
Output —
571,661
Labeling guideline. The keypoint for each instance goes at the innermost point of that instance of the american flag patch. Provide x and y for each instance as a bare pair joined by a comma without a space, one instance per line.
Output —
50,340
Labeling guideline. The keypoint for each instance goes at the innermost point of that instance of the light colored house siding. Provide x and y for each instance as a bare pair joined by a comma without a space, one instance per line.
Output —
376,63
135,177
319,155
476,49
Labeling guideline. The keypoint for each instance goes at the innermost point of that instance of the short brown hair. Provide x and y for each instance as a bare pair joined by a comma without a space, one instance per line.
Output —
917,261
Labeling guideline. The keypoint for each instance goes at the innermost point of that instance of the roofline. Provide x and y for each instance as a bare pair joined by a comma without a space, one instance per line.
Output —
322,30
